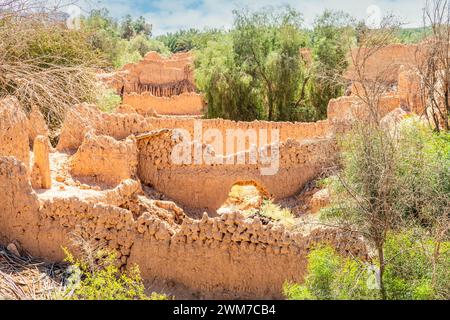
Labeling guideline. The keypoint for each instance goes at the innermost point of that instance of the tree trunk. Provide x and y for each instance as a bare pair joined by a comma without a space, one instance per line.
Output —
270,107
381,259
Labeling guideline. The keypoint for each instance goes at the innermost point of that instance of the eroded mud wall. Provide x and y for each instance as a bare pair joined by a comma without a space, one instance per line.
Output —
14,127
222,257
387,61
226,256
104,159
160,76
148,104
207,184
83,118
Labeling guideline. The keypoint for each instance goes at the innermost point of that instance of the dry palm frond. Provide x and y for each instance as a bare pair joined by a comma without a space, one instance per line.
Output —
26,278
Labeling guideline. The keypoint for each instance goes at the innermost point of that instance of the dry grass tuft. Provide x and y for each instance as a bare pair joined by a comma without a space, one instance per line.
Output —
43,63
26,278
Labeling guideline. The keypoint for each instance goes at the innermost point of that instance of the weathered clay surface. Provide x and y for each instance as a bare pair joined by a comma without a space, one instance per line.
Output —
105,159
14,130
40,172
344,111
162,77
387,61
83,118
38,126
19,204
148,104
207,185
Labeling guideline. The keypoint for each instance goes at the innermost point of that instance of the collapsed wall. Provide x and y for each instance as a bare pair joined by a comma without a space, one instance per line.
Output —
84,117
343,111
226,256
148,104
410,91
19,204
386,61
38,126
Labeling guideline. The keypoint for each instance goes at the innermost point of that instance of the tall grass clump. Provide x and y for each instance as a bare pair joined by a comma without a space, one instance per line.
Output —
44,63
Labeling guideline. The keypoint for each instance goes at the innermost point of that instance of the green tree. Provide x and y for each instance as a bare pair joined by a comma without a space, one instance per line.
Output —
392,184
330,41
121,43
127,28
103,280
256,72
141,27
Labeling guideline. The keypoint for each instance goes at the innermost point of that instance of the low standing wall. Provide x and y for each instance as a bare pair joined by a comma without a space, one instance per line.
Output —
223,257
83,118
208,185
147,104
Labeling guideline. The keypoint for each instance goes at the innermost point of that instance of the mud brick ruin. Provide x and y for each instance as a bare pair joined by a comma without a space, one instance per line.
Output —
100,182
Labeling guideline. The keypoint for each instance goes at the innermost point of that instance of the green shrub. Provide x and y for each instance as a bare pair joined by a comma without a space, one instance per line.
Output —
392,183
104,280
108,100
408,274
143,45
121,43
331,276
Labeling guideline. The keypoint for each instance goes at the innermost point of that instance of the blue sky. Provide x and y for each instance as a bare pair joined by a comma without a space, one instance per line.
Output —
171,15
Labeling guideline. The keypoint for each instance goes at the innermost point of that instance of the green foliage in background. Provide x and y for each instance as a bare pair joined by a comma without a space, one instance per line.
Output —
256,71
412,35
190,39
121,43
331,38
108,100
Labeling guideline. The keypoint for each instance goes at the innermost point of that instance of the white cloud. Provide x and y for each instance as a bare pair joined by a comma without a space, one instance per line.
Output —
171,15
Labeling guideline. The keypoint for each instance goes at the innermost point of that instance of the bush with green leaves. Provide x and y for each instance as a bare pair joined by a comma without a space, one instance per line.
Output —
331,276
121,43
408,274
276,213
101,279
394,182
411,273
331,39
190,39
256,70
108,100
423,171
